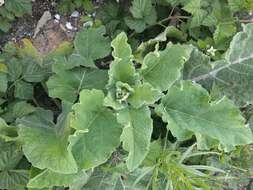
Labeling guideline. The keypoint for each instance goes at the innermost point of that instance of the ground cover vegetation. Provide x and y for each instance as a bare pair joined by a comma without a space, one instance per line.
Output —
151,95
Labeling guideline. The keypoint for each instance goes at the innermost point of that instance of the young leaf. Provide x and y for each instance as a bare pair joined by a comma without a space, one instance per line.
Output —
91,44
144,94
96,125
188,108
136,134
45,144
122,73
162,68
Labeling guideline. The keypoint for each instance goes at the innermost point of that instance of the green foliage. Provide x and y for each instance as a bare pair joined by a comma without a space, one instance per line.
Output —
157,97
70,5
12,9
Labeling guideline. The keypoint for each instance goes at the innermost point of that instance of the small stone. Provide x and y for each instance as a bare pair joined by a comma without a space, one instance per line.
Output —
57,16
56,21
1,2
87,24
69,26
75,14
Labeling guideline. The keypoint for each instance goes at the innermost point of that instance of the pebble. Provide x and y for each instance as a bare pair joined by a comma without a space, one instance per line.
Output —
57,16
69,26
75,14
87,24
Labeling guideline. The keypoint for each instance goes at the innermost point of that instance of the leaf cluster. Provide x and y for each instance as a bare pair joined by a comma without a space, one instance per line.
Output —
133,103
12,9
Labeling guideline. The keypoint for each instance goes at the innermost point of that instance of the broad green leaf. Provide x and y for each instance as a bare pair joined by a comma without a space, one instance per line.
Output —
10,156
14,69
13,179
67,84
7,133
233,74
26,68
33,71
195,7
198,64
188,108
226,26
136,134
16,110
91,44
47,178
144,94
239,5
45,144
19,7
21,109
96,125
141,8
3,82
138,25
118,178
23,90
143,13
91,103
162,68
4,25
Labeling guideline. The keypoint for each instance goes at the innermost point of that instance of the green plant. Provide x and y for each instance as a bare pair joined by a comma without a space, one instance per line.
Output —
120,110
67,6
12,9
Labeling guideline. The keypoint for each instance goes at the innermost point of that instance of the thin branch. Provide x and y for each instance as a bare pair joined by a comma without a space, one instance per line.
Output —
246,21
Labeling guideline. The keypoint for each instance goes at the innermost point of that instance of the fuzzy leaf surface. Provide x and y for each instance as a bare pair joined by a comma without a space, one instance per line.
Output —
47,178
67,84
136,134
45,144
162,68
91,44
188,109
96,125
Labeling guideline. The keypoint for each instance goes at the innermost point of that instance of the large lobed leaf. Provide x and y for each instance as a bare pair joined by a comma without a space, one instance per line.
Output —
67,84
98,133
162,68
90,45
45,144
143,15
233,75
10,176
187,110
